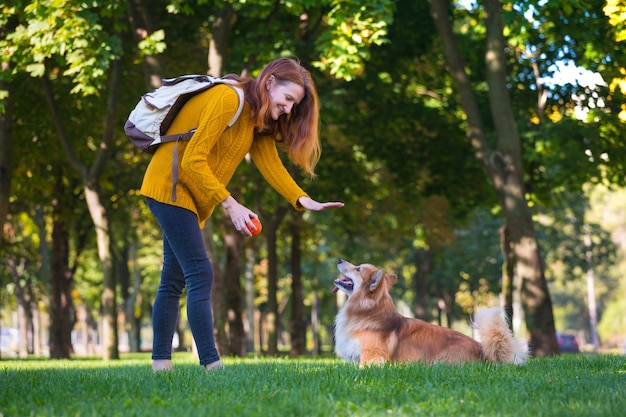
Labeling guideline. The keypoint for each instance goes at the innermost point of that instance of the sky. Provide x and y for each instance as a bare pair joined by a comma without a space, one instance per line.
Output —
570,73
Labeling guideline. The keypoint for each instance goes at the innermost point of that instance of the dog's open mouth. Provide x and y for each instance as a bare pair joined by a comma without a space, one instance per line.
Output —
345,283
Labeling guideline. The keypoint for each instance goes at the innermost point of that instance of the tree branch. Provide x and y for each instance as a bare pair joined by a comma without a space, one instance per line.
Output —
499,98
475,128
109,122
60,128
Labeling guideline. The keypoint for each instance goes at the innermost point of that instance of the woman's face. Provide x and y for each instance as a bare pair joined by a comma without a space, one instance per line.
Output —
283,96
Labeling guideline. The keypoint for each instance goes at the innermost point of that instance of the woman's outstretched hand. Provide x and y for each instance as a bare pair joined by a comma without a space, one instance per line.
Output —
310,204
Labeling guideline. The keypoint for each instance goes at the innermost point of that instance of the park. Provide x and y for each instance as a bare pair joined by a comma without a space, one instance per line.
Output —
478,147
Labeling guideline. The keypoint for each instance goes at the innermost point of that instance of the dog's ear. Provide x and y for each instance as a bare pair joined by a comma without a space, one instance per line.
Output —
375,279
392,279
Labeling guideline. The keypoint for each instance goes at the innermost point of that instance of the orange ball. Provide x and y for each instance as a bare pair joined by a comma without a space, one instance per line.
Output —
258,226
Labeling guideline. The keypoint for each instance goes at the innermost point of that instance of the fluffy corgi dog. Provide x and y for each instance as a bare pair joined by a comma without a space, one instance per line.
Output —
369,329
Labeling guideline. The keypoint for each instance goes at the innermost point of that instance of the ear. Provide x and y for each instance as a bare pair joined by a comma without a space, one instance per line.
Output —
270,81
375,279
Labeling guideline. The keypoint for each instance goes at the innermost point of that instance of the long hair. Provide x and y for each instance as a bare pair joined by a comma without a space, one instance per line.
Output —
298,132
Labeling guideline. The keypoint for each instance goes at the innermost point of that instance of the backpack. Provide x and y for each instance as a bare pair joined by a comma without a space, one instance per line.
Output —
153,115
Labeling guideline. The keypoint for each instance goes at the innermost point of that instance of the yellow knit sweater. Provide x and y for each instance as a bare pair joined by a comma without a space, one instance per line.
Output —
208,161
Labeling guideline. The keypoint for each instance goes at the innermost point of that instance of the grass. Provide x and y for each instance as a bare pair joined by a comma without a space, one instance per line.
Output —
570,385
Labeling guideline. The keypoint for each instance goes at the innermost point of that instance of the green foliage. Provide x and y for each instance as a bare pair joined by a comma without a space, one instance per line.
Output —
564,229
556,138
20,259
314,387
616,11
470,266
612,327
562,157
404,129
65,33
354,27
607,210
153,44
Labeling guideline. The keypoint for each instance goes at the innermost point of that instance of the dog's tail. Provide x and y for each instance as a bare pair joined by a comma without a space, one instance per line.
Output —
497,340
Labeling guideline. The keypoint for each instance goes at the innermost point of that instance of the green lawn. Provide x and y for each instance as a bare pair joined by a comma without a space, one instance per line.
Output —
570,385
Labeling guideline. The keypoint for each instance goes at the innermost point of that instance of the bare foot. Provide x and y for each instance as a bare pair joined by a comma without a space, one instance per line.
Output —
159,365
214,365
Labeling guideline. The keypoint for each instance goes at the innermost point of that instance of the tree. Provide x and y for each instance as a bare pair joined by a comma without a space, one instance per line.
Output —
503,165
90,177
44,56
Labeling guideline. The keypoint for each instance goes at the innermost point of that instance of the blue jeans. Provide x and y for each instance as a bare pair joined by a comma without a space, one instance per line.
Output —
185,264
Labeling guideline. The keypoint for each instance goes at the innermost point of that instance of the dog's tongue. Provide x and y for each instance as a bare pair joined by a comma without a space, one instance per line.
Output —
345,281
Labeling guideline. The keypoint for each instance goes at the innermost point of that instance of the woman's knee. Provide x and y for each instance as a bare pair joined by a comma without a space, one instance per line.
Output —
172,280
201,279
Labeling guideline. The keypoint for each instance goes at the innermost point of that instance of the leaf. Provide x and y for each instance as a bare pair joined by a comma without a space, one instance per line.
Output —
36,69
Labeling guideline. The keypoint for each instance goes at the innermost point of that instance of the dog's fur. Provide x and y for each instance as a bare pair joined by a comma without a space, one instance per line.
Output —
369,329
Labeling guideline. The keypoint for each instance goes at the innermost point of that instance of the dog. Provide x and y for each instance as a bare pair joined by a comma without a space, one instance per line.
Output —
369,330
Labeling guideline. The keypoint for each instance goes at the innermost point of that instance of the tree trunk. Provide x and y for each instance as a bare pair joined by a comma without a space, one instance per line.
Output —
108,299
24,322
250,293
142,27
17,269
100,219
423,264
445,301
218,41
6,153
271,316
218,289
315,323
234,293
134,309
272,313
36,326
297,325
123,278
504,167
507,175
61,282
591,291
128,276
508,273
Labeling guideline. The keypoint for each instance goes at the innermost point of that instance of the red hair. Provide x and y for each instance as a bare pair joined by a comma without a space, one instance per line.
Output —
298,132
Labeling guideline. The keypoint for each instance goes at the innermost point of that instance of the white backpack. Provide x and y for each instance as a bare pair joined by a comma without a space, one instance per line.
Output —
153,115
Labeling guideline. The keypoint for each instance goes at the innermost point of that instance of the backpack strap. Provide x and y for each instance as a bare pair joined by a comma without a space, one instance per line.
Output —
189,134
175,137
239,92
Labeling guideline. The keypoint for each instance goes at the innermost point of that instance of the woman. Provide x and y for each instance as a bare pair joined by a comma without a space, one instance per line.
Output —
281,108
